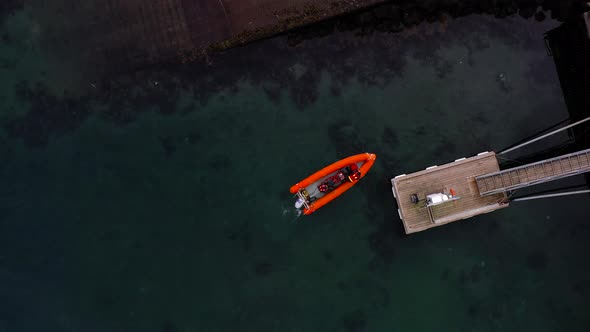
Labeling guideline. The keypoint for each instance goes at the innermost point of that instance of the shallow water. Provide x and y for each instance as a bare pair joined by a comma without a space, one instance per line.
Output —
159,201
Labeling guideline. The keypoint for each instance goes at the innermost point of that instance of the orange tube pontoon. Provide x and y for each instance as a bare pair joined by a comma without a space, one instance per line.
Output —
325,185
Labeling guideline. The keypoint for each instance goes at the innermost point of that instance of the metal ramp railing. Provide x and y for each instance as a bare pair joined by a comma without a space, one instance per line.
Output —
535,173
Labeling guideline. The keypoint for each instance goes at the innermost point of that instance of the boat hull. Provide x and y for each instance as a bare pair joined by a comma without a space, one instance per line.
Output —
364,160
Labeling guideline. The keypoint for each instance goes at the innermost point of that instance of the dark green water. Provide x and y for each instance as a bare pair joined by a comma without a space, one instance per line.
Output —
159,201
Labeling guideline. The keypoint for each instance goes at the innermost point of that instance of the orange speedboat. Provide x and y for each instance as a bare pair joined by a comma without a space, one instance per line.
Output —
325,185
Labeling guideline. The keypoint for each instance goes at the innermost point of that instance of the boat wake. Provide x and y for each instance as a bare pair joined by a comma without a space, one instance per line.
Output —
290,212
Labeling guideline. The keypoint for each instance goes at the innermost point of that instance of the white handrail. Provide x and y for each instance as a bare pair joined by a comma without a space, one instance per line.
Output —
543,136
551,195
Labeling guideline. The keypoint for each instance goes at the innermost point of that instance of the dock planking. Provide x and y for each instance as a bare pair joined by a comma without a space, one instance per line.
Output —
458,175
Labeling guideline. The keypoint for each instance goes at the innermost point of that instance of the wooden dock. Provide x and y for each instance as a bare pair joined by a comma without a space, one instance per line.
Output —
467,187
460,176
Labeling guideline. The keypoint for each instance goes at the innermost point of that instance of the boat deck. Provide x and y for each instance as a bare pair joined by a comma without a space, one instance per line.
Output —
313,190
458,175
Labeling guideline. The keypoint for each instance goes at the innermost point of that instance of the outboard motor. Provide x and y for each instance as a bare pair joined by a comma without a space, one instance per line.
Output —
299,203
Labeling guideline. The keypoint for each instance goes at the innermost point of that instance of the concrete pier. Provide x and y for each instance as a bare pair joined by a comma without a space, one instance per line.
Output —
145,32
135,33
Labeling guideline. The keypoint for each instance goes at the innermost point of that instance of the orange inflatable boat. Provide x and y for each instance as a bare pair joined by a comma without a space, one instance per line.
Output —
325,185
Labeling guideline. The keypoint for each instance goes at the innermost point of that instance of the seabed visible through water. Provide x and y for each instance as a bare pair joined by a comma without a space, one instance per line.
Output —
156,201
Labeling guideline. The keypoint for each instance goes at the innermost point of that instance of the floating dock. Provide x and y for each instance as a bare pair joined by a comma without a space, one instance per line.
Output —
460,176
468,187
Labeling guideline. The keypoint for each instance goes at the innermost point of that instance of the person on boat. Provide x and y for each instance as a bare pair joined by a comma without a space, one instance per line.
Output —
353,172
354,176
350,173
332,182
323,188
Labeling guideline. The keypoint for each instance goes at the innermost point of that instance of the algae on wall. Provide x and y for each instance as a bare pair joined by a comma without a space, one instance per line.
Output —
130,34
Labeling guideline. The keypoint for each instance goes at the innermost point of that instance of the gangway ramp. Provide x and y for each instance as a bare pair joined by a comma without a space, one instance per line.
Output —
539,172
